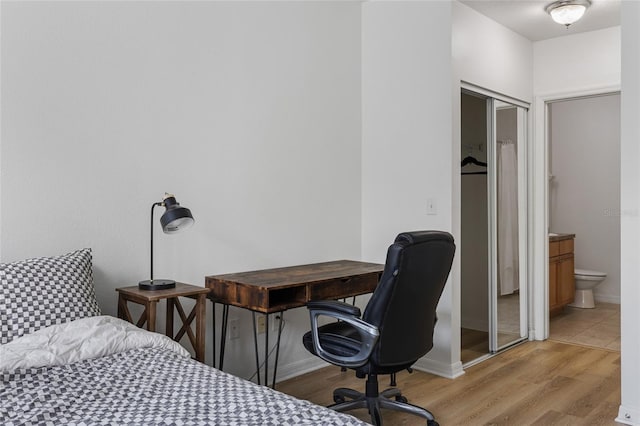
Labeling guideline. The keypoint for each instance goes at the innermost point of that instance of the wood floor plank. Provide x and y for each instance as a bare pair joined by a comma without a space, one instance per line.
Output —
600,416
536,383
589,400
546,398
557,418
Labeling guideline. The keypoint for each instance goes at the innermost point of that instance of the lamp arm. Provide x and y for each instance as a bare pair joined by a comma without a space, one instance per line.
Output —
151,260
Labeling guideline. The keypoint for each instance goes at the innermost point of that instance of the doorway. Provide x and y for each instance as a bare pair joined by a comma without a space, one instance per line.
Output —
584,200
493,237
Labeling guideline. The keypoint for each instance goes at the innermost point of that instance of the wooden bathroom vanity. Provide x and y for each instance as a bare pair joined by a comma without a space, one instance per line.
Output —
562,286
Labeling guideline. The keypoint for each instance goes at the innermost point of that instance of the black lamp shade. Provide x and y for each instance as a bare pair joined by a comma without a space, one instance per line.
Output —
176,218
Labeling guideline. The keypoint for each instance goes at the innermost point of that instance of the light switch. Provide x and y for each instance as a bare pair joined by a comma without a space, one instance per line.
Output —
431,206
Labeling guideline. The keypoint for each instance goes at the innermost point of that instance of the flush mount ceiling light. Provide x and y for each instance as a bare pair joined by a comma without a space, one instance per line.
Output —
566,12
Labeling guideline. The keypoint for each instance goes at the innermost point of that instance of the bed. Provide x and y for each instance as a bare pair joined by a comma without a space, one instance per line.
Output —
62,362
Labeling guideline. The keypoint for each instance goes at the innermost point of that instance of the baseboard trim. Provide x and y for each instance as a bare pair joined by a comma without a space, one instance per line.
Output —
607,299
442,369
298,368
628,416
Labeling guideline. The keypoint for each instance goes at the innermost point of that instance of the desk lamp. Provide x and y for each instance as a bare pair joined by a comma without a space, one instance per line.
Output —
175,219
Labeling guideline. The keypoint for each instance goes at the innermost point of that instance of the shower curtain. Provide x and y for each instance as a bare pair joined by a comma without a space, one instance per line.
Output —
507,218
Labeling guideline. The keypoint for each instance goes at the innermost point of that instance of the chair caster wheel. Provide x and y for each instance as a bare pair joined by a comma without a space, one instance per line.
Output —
401,398
432,423
338,399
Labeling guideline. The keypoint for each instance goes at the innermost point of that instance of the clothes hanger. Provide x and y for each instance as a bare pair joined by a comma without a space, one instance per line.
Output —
472,160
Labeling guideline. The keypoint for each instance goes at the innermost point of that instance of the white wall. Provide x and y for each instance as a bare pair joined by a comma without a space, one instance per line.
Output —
577,62
248,112
490,55
406,130
584,196
630,219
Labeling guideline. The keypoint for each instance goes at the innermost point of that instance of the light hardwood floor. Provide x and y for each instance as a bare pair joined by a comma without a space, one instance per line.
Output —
536,383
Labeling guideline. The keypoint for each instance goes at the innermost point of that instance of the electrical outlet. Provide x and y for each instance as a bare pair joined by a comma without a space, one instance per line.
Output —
262,324
275,322
234,328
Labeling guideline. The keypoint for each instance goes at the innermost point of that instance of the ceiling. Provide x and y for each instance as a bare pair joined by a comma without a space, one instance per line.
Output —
529,19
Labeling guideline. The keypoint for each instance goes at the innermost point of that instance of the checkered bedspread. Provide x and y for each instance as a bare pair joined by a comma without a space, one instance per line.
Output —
150,386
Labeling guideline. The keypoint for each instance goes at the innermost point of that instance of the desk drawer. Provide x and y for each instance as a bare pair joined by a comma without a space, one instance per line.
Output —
345,287
281,299
258,299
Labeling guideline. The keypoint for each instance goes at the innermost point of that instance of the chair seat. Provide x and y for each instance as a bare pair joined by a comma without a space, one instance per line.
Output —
338,338
342,339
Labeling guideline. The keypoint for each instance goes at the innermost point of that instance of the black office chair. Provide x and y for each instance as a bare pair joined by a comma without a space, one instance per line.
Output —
396,328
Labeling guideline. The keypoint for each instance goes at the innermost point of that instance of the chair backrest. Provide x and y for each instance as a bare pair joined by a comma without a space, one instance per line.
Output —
403,306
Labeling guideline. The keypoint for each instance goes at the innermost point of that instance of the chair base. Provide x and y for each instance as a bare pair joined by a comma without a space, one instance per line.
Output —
390,399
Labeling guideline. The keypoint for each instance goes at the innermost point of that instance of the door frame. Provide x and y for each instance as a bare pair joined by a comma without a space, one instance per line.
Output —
538,207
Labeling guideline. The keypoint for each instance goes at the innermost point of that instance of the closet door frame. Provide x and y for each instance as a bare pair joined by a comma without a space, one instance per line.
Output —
494,100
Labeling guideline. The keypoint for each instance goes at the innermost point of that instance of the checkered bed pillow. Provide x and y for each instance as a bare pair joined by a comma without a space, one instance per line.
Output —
37,293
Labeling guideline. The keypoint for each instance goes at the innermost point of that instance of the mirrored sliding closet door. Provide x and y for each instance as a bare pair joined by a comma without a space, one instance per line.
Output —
493,225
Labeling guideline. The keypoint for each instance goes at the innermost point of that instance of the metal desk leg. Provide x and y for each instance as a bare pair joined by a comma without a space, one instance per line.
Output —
213,327
223,337
275,365
255,343
266,350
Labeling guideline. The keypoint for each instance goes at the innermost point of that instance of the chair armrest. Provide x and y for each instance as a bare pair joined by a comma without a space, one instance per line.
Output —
342,312
335,306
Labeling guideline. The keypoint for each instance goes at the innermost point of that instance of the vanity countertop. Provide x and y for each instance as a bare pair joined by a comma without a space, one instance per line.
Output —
560,237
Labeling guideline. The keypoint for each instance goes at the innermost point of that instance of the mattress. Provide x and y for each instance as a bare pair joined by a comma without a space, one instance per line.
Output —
105,371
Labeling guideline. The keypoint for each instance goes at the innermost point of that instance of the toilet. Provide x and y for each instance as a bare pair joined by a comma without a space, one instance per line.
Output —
586,281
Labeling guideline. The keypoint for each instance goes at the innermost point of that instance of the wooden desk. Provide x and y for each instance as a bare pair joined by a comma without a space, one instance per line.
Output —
276,290
149,299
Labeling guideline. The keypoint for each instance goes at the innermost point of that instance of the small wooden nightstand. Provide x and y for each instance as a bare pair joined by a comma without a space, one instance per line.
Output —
149,299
